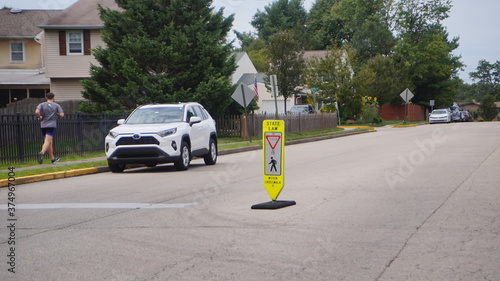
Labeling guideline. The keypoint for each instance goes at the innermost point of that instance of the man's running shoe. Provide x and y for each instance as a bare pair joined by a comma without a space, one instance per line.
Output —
55,160
39,158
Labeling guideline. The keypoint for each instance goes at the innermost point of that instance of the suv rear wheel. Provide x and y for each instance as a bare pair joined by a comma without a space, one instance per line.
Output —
183,163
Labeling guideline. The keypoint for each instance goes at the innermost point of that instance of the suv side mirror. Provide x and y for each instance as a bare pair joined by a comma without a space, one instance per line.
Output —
194,120
120,121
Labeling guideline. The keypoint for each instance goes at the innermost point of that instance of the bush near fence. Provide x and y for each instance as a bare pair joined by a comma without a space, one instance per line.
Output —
79,134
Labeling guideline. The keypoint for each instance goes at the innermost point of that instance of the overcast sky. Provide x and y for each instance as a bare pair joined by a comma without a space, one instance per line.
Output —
475,22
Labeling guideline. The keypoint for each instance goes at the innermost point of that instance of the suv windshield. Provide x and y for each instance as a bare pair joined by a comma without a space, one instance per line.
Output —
152,115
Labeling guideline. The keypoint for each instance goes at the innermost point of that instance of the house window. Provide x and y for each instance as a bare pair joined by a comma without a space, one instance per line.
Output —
75,42
16,52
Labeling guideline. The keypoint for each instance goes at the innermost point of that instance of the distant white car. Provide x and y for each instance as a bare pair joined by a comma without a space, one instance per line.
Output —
440,116
162,133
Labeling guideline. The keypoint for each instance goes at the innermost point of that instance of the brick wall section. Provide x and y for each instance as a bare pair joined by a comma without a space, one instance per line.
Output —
397,112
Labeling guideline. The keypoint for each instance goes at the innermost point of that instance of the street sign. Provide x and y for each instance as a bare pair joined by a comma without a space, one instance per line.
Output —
243,95
273,143
273,155
406,95
274,86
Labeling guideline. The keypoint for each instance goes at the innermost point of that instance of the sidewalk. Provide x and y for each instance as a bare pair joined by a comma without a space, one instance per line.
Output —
101,169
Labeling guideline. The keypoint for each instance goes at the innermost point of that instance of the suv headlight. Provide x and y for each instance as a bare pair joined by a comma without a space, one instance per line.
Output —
167,132
113,134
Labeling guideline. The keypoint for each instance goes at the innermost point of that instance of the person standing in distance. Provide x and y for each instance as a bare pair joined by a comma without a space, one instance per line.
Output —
48,112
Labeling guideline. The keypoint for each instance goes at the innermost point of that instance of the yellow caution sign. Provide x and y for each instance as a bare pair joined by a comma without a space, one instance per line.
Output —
273,144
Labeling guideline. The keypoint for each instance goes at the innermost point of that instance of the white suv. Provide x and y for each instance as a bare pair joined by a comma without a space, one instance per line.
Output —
162,133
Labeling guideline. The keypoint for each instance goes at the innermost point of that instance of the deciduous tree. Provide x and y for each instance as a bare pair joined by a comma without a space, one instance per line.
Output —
487,108
333,77
287,63
487,78
282,15
424,47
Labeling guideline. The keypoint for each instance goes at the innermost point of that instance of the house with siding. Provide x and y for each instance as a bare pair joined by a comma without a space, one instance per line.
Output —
69,37
70,34
246,73
22,60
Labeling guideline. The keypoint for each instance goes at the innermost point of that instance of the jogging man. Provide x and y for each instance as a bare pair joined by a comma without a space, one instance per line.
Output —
47,112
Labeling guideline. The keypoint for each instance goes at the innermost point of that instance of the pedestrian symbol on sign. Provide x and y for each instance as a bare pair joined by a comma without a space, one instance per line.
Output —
272,151
273,164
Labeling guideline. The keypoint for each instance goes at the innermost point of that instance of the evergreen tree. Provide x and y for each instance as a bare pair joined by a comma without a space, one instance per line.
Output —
384,78
160,51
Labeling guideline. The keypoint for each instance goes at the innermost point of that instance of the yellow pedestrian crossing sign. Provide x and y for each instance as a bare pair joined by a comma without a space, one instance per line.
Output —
273,164
273,143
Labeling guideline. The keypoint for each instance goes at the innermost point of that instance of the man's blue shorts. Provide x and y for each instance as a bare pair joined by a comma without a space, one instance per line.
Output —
49,131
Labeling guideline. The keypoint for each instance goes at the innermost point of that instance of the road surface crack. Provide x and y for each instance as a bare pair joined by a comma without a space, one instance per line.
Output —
430,216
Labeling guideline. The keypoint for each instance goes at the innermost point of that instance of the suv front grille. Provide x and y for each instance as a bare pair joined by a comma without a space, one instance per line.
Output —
142,140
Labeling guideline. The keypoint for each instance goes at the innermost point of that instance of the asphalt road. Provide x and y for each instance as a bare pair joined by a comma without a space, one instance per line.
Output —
420,203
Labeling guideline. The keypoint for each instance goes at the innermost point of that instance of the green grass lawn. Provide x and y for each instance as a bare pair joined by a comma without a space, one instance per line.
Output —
55,168
75,157
224,143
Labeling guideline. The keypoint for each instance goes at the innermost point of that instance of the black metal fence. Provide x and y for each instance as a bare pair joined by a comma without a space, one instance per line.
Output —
79,134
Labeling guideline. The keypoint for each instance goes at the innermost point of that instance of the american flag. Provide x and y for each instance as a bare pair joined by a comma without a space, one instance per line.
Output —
256,89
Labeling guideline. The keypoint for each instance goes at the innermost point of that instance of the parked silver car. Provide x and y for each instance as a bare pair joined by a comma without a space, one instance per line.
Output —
440,116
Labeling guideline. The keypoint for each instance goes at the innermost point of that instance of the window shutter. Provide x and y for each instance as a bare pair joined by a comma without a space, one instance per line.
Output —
86,42
62,42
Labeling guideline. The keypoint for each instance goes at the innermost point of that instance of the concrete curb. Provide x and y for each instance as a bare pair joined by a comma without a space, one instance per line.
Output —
51,176
94,170
405,126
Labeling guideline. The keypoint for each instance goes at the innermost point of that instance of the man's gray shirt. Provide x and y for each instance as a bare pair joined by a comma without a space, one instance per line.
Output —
48,111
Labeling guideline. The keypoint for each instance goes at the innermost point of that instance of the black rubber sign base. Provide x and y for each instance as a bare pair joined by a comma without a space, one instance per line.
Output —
273,205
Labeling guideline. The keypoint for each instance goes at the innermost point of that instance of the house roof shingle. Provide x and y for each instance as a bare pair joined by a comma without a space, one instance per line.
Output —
249,78
24,24
83,14
22,77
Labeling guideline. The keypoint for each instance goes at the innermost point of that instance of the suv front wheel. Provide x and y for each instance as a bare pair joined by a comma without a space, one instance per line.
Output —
211,157
116,168
183,163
